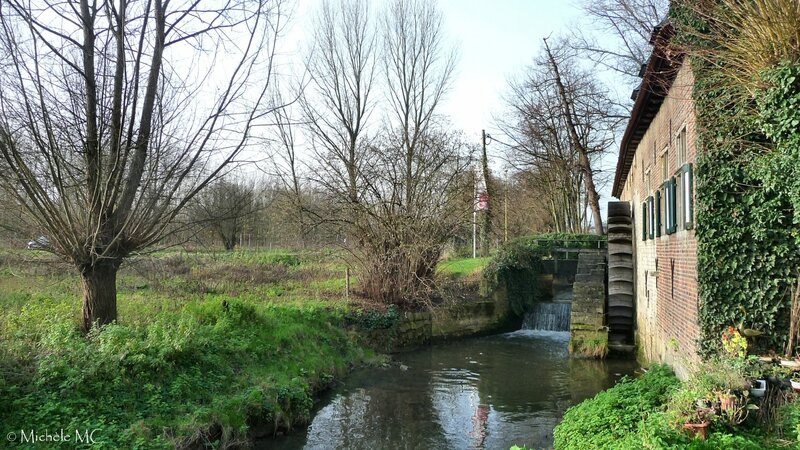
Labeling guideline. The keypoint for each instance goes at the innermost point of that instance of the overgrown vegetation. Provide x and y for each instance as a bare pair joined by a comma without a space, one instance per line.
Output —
517,264
209,347
748,196
649,412
614,415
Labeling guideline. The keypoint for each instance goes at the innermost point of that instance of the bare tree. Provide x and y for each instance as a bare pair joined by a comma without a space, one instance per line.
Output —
541,148
114,114
414,165
338,101
629,23
561,119
394,190
577,112
399,243
287,165
418,73
225,207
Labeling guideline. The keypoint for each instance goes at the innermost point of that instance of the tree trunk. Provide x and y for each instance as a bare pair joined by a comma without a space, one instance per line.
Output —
229,241
591,193
583,161
99,294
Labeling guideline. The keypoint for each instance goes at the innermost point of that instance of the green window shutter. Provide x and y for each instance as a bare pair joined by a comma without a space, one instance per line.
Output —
672,219
644,221
650,218
687,186
658,213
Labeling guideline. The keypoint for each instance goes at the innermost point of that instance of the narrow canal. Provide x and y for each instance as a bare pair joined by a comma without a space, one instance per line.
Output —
483,393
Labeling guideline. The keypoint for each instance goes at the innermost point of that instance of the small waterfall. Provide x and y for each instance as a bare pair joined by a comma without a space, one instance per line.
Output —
548,316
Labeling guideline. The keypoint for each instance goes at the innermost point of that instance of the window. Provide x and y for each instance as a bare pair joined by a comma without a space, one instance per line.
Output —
680,145
651,212
657,208
644,221
687,203
670,205
662,213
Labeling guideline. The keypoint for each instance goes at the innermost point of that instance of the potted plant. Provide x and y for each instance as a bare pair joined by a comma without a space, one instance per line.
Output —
758,388
698,423
728,402
734,408
795,381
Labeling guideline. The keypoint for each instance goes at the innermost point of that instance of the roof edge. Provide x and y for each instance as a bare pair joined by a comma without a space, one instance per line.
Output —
653,77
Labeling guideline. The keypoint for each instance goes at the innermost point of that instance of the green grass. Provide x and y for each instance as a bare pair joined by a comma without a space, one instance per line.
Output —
206,345
463,267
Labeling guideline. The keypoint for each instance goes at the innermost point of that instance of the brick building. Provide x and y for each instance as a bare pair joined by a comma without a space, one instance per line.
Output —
654,174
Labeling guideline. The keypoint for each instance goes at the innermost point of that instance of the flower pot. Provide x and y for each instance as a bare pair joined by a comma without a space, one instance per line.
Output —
727,403
698,430
795,385
759,388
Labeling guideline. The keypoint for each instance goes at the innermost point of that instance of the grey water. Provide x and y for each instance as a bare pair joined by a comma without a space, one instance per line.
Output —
482,393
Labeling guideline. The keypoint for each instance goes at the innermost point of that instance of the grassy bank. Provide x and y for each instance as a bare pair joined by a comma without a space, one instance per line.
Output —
207,347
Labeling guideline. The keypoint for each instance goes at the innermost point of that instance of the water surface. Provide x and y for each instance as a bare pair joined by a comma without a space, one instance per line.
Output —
483,393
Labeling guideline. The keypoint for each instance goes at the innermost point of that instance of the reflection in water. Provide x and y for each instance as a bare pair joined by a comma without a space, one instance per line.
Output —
486,393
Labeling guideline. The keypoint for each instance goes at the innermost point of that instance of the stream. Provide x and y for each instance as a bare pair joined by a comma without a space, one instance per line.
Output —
481,393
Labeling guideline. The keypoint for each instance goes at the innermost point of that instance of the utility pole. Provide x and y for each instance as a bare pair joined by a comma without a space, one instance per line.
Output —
474,214
486,225
505,208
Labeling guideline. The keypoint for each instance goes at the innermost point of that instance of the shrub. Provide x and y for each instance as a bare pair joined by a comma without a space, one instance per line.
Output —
614,415
517,264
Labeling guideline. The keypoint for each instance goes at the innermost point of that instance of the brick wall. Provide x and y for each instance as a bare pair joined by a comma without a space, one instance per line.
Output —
665,268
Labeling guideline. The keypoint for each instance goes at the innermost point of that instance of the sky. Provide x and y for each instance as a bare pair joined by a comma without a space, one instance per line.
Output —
496,40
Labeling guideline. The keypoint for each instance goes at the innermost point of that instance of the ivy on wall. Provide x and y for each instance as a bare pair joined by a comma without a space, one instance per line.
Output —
747,196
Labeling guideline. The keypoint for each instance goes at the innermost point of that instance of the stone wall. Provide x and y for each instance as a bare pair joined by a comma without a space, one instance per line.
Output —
485,313
589,336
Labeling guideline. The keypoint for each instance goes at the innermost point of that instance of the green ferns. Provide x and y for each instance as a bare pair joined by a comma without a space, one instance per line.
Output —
614,415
